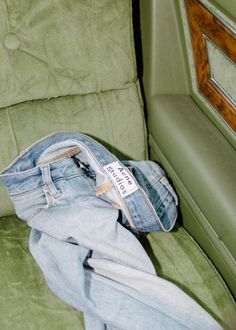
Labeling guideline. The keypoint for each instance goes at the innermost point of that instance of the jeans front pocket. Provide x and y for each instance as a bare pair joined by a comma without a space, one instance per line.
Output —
29,204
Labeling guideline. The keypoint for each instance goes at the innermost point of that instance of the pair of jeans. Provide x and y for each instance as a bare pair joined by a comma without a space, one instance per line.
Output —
84,205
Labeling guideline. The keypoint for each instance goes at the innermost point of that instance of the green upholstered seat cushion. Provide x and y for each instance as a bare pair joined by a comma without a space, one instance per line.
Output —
66,47
113,116
27,303
178,258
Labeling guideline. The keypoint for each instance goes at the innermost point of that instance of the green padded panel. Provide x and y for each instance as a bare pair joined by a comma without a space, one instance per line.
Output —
52,48
204,164
27,303
114,117
191,142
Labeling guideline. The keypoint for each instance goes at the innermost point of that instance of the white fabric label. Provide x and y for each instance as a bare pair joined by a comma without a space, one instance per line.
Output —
122,178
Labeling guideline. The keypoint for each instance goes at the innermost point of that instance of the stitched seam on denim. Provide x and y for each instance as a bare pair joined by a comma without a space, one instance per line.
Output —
37,211
167,185
93,185
155,215
154,180
47,179
40,187
48,204
30,193
162,200
151,207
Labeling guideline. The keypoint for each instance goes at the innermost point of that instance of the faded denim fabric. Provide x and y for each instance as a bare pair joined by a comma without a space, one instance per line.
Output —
84,207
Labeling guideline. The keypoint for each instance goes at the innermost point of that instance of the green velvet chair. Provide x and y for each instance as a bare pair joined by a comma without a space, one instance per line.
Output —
70,65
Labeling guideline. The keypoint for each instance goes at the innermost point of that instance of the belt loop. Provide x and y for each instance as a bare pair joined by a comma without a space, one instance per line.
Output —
47,179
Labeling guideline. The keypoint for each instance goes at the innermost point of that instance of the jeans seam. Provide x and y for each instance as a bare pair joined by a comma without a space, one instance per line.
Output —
41,187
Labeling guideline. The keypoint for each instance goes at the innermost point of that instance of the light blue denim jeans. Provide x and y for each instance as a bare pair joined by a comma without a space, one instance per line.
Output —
84,205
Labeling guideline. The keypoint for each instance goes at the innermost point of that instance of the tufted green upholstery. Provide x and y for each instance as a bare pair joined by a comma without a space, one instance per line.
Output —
66,48
70,65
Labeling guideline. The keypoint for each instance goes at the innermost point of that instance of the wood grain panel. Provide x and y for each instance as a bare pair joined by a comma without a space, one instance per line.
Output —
204,24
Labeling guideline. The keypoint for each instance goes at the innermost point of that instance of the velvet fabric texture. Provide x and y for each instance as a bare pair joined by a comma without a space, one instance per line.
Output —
70,65
67,47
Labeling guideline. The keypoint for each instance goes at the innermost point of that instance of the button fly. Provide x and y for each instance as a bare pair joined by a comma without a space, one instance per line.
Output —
12,41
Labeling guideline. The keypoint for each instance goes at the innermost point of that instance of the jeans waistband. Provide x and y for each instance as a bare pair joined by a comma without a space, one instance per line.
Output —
36,177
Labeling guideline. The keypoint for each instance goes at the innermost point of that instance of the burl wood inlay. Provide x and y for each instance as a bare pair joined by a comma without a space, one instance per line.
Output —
204,24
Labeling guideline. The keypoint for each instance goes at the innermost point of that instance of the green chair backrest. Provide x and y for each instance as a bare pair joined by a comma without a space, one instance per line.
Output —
68,65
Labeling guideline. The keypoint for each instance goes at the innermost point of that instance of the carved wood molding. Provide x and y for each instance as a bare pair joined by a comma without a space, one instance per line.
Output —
204,24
